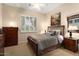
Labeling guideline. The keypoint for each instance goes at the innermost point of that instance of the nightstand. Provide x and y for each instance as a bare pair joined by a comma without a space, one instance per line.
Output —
71,44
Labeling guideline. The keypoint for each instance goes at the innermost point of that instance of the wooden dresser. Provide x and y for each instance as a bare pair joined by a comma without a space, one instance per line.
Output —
1,43
71,44
10,36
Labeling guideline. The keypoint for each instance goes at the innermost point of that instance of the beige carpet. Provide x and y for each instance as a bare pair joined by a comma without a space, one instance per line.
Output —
24,50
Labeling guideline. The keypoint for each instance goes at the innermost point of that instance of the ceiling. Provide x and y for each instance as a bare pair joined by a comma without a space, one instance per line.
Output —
41,7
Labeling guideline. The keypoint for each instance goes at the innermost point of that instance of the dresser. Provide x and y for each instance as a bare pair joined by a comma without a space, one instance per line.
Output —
1,43
10,36
71,44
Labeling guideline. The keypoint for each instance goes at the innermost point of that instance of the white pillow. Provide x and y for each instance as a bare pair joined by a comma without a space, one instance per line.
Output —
60,37
57,32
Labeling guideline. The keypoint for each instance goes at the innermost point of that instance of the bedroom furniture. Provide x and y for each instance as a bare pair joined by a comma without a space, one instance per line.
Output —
57,27
71,44
34,44
10,36
1,43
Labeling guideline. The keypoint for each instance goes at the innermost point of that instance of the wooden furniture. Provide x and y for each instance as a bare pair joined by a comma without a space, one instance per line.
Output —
57,27
1,43
10,36
34,45
71,44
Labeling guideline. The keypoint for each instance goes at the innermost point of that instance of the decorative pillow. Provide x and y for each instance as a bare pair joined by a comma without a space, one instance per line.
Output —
55,32
52,34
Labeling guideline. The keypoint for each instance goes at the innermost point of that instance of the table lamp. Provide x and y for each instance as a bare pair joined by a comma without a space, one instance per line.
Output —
71,29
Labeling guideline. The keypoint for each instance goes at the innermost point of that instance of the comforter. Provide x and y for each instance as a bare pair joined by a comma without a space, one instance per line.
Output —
45,40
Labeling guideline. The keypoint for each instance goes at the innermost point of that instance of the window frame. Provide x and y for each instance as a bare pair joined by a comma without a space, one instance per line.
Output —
25,31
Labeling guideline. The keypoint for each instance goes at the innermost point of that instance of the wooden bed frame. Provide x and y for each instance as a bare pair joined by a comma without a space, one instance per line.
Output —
34,45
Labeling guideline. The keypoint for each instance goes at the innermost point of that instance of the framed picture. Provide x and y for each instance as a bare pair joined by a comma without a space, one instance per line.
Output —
56,19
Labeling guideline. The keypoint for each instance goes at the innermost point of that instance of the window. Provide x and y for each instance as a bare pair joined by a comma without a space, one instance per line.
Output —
28,24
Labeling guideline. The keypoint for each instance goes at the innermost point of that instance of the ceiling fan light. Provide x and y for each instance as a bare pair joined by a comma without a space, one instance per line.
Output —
37,5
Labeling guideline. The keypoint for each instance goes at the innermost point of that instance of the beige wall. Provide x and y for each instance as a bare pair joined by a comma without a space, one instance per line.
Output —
0,16
13,14
66,10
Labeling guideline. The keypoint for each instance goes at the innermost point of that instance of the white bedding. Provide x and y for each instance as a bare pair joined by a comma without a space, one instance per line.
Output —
60,37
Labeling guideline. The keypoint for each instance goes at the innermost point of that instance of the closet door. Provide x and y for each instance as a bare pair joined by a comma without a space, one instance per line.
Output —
10,36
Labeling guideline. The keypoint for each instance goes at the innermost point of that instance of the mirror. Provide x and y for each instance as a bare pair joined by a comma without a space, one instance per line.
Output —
73,23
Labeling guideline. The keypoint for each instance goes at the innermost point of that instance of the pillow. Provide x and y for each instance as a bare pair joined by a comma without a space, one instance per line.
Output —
48,34
55,32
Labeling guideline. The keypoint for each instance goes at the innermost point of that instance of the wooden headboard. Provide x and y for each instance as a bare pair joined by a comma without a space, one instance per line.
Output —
61,28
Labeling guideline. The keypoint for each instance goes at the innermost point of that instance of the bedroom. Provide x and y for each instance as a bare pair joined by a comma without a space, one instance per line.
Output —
11,15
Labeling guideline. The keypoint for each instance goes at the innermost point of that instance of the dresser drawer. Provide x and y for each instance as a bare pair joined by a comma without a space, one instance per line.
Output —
1,51
1,45
1,37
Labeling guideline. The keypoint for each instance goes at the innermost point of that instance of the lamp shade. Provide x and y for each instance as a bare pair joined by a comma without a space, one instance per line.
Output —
72,28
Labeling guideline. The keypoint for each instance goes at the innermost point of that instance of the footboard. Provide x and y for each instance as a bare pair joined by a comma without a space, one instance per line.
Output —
33,44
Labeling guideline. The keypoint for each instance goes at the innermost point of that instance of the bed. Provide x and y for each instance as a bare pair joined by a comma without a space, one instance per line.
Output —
42,43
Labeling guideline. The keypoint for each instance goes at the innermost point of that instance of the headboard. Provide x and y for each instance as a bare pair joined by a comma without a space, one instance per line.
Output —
61,28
